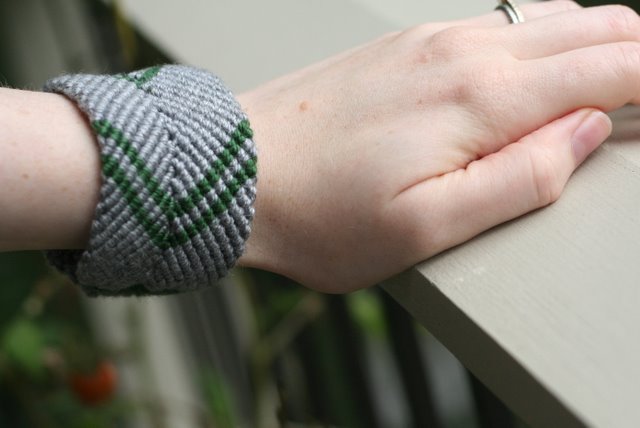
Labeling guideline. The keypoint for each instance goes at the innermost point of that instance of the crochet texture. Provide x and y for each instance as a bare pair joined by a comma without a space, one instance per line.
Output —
178,181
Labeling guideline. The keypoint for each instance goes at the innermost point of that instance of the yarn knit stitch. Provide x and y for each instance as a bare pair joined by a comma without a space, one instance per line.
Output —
178,181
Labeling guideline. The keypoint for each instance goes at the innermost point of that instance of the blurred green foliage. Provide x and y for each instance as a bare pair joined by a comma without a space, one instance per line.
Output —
18,273
24,346
44,338
218,399
367,313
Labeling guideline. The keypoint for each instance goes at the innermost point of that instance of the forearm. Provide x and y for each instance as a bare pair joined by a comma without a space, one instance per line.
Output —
49,172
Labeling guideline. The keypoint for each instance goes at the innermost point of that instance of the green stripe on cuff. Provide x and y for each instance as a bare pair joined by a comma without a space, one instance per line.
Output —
170,207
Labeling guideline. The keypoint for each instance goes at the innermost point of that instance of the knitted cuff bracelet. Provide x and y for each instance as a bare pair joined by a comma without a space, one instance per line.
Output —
178,181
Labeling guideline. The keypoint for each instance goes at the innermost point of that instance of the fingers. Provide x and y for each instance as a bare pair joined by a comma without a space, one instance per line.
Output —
530,11
602,76
499,19
521,177
561,32
509,102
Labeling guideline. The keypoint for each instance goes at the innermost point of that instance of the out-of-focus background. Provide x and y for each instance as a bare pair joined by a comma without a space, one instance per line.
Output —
256,350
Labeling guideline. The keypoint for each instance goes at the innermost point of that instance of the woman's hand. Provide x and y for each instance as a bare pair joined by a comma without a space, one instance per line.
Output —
395,151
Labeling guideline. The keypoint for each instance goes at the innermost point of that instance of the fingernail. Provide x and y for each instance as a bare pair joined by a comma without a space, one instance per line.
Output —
594,129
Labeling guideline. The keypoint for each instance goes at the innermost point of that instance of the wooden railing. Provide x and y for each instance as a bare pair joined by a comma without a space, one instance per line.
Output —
544,309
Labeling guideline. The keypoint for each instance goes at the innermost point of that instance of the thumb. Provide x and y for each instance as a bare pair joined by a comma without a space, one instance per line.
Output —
523,176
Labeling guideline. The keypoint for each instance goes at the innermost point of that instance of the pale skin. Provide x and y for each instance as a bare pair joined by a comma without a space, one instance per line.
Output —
376,159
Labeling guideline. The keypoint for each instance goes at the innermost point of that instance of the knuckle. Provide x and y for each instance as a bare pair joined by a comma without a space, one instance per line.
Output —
456,49
454,42
471,75
546,181
419,33
626,60
621,19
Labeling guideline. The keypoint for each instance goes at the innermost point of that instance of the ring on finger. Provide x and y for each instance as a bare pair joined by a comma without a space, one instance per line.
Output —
512,11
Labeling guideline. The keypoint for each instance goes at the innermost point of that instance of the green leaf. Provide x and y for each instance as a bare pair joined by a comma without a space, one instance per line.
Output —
24,345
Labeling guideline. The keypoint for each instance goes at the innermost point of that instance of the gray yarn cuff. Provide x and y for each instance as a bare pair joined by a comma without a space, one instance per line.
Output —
178,181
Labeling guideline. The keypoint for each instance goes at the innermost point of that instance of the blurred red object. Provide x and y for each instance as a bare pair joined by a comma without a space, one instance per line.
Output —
97,387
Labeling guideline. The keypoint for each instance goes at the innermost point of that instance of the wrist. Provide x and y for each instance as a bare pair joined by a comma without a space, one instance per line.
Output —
257,250
267,247
50,172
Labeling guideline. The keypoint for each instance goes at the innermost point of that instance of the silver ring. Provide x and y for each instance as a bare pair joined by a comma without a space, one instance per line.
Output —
512,11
